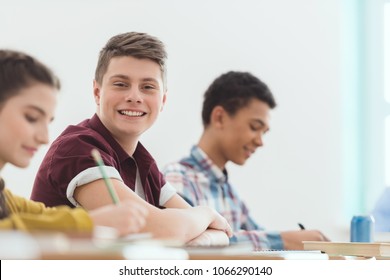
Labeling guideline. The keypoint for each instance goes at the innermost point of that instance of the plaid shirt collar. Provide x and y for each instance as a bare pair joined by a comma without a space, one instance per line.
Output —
207,166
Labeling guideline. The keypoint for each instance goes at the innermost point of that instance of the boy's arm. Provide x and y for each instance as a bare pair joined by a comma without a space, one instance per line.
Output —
176,176
180,224
293,239
248,231
210,237
176,201
262,239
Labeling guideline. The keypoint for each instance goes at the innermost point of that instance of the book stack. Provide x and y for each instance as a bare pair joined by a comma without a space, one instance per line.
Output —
375,249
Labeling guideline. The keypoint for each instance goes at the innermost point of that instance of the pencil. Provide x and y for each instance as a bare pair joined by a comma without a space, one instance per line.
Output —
301,226
99,161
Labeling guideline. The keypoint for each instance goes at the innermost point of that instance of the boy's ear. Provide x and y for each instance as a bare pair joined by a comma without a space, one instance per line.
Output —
217,116
164,99
96,92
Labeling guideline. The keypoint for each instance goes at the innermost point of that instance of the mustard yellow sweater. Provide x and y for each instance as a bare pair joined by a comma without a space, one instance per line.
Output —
29,215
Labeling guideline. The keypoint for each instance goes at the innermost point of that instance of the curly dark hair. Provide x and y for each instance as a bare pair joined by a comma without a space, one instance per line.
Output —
234,90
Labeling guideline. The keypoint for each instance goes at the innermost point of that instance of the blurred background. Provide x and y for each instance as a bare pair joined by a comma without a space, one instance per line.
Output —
326,156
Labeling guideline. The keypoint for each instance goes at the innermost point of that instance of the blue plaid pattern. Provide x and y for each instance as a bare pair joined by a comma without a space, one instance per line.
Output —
200,182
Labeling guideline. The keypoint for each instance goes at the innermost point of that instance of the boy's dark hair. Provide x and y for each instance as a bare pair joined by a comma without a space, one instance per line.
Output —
234,90
138,45
19,70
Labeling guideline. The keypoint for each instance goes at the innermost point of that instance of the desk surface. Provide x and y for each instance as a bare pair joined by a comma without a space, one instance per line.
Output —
61,247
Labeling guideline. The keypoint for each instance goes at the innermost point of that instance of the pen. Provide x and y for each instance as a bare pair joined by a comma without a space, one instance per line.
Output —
301,226
98,159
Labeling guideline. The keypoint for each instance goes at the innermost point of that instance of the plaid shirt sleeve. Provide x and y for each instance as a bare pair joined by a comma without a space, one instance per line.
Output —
246,230
177,176
250,231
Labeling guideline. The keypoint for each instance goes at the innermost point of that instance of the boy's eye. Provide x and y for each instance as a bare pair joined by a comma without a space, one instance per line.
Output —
149,86
255,127
119,84
258,128
31,119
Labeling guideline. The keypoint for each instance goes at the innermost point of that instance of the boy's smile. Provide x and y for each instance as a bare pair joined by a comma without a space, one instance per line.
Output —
237,137
130,98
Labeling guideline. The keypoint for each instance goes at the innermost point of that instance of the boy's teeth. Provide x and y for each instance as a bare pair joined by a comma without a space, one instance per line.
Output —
131,113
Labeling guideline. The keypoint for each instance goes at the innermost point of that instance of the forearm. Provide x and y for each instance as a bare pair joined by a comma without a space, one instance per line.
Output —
179,224
261,240
293,239
210,237
173,223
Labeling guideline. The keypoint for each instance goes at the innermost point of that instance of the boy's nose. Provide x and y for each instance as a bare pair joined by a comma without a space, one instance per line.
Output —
134,95
259,140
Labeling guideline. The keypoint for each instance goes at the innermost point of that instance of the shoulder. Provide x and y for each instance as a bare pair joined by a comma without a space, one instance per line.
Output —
184,176
78,140
79,134
182,167
70,153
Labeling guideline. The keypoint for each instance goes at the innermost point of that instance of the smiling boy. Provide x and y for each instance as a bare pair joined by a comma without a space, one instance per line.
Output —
28,98
235,114
129,91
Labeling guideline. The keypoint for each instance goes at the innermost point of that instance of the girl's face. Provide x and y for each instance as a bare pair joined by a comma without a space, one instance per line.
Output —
24,120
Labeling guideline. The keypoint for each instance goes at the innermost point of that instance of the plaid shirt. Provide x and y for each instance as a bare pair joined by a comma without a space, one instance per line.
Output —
200,182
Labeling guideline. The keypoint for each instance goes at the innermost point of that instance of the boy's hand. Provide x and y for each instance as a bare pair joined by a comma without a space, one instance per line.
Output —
220,223
292,240
210,237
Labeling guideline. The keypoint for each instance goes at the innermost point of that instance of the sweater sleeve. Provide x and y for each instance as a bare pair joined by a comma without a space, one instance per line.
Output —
29,215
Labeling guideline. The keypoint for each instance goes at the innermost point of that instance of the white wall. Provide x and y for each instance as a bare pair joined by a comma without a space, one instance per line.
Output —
294,46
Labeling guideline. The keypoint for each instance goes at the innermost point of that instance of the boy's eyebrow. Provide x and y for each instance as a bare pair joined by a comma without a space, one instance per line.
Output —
149,80
121,76
40,110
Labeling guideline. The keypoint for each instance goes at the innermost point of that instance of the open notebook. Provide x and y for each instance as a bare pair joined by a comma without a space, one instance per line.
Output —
235,249
245,250
293,254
